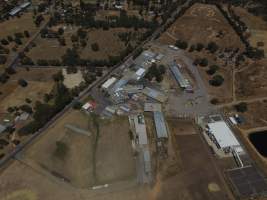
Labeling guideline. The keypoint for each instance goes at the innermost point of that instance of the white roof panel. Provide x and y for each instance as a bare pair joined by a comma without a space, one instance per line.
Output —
140,71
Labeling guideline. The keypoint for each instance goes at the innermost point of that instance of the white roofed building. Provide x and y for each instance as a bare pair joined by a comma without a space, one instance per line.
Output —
224,137
108,83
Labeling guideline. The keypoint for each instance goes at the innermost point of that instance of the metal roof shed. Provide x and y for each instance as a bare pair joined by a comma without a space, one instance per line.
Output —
161,128
184,83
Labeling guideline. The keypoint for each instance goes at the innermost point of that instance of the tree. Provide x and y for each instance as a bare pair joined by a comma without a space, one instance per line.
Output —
212,69
61,150
3,59
77,105
212,47
216,81
203,62
18,41
26,108
60,31
241,107
81,33
27,34
214,101
22,83
71,57
199,46
4,42
95,46
181,44
162,69
58,76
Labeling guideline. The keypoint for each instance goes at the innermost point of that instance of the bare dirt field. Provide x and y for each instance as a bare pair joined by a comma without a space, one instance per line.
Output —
72,80
201,23
114,157
196,176
255,84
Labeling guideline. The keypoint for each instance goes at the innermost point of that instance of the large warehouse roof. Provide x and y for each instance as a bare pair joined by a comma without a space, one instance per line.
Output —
184,83
223,135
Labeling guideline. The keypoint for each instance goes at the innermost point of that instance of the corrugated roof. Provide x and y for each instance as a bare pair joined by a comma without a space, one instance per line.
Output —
184,83
161,128
140,128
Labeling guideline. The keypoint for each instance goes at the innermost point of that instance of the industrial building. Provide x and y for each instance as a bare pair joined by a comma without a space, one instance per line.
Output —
19,8
183,82
224,137
161,129
140,129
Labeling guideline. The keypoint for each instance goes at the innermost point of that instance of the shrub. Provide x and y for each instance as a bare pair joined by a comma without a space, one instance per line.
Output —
95,47
22,83
181,44
241,107
61,150
203,62
212,69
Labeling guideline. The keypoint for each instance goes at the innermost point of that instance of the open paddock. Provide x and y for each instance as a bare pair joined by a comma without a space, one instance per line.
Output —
202,24
196,176
255,85
76,165
114,156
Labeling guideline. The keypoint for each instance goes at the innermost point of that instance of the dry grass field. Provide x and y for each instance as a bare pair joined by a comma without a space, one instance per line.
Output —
14,25
76,166
201,23
255,85
256,25
107,40
39,82
114,156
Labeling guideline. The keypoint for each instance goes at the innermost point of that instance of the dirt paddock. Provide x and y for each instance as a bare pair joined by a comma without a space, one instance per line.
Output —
196,177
